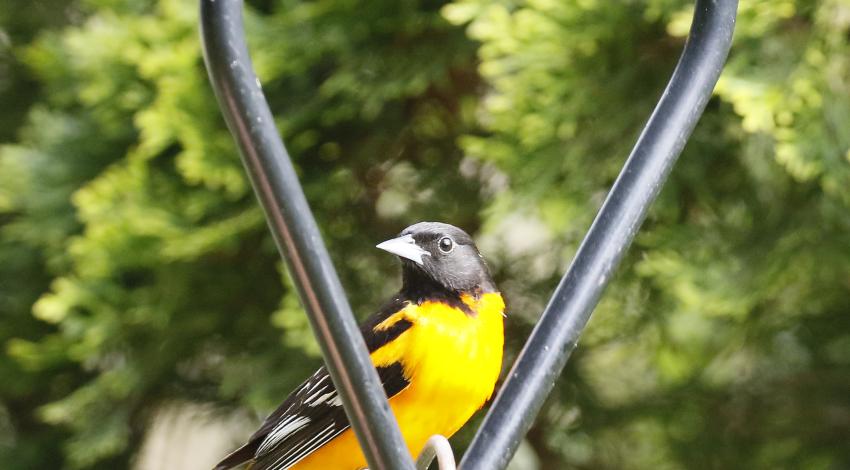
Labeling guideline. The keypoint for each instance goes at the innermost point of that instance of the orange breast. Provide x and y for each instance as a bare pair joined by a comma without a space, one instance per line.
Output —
452,361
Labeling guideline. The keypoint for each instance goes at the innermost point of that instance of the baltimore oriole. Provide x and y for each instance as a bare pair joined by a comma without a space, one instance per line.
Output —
437,346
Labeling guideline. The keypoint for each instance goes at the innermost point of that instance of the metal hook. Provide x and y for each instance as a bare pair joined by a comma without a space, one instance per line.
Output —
439,447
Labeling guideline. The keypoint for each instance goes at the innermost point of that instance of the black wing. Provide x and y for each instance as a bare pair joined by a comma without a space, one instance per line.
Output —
315,419
313,414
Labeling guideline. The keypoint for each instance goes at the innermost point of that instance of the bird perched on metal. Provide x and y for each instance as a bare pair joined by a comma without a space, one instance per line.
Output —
437,347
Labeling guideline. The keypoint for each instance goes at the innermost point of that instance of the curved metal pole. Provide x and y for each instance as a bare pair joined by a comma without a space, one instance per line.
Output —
437,447
556,334
298,239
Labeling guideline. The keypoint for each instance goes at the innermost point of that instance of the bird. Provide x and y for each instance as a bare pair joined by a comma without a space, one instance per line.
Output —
437,345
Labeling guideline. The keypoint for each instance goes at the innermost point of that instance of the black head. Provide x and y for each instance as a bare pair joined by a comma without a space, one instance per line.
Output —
440,256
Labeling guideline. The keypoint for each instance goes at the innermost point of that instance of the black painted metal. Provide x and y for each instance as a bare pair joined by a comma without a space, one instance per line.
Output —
298,239
556,334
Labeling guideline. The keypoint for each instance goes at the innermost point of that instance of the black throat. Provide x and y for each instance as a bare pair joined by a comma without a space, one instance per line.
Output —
418,287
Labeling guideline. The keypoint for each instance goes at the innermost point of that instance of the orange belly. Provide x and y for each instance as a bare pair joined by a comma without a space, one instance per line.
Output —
452,361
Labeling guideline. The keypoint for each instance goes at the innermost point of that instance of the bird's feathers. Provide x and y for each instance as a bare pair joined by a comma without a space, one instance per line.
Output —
313,414
314,418
437,345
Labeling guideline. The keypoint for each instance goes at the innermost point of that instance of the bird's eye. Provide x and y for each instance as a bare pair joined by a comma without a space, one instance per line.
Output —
446,245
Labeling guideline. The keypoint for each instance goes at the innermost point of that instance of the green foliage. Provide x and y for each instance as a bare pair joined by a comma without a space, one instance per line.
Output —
136,268
159,278
718,346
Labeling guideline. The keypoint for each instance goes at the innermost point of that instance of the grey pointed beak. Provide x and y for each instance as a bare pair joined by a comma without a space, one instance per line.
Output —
405,247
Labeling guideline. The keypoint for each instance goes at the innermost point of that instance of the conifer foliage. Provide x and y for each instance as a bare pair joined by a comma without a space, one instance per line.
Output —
136,269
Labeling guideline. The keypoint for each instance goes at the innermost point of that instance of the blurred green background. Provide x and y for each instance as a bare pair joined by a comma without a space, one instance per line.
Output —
137,275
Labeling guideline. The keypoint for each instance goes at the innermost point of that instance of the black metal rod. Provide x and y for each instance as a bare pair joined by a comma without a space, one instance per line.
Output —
659,145
298,239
